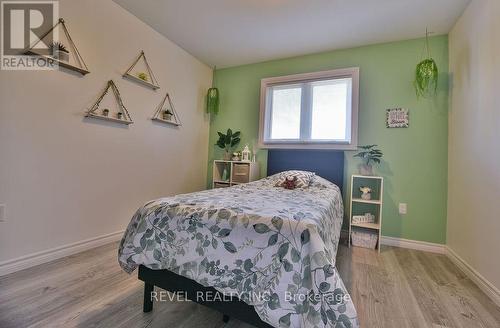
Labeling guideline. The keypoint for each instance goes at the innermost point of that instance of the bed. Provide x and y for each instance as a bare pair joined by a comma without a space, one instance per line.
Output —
269,253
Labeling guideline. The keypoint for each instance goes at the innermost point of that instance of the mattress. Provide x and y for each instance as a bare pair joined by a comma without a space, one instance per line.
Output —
273,248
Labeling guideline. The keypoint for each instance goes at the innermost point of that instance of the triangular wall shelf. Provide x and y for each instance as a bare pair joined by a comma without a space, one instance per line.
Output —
78,64
125,116
166,105
147,79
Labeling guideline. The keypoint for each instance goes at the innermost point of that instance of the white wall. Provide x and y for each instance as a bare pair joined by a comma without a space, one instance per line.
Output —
65,178
474,135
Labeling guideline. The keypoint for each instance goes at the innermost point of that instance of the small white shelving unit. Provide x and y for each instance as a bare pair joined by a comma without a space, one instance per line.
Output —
238,172
359,206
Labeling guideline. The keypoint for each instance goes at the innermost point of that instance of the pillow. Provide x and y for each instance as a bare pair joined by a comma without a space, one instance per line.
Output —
302,178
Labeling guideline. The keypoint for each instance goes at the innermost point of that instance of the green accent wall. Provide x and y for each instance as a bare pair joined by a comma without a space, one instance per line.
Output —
415,158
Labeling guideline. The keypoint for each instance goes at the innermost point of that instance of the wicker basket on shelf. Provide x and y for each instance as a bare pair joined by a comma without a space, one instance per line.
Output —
364,239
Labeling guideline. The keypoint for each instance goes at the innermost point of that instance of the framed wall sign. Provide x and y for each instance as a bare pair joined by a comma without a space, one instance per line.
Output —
397,118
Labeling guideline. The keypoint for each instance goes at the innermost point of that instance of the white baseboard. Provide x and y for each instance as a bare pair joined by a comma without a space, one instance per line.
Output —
487,287
48,255
413,244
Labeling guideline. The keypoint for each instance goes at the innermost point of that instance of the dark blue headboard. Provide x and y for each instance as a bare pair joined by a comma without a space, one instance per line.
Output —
326,163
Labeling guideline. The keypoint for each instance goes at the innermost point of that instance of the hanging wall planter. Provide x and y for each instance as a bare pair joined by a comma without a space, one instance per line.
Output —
213,97
426,74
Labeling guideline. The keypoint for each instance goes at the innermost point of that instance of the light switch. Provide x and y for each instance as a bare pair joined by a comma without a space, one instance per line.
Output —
402,208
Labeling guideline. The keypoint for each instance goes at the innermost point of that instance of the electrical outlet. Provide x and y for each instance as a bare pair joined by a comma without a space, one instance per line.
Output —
3,215
402,208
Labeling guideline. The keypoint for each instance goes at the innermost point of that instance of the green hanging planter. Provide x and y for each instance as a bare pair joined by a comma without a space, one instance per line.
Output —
213,101
426,74
213,97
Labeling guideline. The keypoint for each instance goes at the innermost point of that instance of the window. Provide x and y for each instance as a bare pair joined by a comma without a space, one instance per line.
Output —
312,110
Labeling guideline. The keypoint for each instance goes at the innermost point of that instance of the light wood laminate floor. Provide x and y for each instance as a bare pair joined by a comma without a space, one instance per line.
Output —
396,288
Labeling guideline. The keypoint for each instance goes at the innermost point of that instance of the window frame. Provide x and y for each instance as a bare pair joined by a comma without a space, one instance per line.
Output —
352,73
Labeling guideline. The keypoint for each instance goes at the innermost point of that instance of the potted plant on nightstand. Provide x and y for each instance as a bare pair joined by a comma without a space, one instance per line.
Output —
227,142
369,154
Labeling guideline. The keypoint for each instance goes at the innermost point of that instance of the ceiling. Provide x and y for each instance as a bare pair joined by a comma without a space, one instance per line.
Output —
235,32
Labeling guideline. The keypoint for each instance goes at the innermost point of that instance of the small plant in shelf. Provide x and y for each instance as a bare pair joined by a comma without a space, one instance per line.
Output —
143,76
227,142
366,193
167,114
105,112
119,115
369,154
59,51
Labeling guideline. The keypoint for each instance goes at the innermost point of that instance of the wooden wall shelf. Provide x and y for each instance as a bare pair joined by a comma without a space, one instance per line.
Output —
92,112
108,118
165,121
153,84
138,80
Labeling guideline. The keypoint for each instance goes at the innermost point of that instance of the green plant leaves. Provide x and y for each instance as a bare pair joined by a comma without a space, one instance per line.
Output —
426,78
370,154
228,140
213,101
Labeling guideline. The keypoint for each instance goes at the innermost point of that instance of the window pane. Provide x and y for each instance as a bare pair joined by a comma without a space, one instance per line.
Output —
285,119
329,109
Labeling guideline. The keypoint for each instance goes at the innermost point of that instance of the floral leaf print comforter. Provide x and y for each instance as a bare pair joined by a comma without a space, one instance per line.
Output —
273,248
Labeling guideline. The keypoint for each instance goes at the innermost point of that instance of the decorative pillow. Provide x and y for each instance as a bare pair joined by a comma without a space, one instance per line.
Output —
302,178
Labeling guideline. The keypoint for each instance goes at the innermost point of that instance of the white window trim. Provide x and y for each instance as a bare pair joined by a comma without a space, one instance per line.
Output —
352,72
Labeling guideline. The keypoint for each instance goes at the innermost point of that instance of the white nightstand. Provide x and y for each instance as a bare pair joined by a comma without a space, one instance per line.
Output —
361,206
237,173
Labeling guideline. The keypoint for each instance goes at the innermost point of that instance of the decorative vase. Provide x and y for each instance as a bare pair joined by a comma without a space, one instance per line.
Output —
119,115
366,196
227,156
365,169
105,112
167,116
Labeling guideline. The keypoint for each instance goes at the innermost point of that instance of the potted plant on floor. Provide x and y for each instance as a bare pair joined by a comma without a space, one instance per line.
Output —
227,142
369,154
